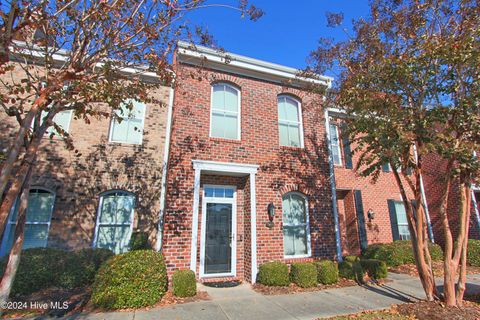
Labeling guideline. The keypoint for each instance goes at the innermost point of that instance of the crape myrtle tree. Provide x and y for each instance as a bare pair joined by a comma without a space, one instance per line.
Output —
84,56
408,81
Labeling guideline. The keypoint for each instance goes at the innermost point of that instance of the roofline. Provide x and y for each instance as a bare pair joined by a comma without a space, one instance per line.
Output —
61,56
194,54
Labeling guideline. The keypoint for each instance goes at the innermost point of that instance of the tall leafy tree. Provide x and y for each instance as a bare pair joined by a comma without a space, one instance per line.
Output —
79,55
408,81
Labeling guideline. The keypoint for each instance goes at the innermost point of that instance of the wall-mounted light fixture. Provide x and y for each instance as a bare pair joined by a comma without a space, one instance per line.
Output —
370,215
271,214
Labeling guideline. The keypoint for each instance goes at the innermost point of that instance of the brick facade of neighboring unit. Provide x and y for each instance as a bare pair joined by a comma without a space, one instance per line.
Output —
77,179
434,184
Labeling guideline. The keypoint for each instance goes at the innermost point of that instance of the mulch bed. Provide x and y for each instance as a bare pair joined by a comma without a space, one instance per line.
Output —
411,269
293,288
438,311
79,301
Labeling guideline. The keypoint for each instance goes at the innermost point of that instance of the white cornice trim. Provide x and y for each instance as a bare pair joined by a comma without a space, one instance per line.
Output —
224,166
61,56
230,62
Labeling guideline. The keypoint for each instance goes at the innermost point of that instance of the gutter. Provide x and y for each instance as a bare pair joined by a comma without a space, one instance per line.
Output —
333,188
166,153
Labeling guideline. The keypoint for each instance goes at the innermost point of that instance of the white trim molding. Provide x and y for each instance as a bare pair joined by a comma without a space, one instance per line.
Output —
225,168
189,53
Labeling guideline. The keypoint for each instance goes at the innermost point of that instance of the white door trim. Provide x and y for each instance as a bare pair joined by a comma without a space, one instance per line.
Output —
233,202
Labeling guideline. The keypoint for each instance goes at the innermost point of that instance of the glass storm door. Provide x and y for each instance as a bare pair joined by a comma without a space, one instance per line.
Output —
218,248
218,228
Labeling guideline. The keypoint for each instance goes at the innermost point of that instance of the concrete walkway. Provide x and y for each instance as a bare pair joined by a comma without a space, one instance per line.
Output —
243,303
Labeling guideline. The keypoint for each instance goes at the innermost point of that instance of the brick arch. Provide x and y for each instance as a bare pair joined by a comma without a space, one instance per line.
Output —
295,188
218,78
296,93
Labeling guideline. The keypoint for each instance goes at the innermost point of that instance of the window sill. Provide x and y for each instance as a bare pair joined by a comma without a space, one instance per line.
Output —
124,144
302,258
290,148
215,139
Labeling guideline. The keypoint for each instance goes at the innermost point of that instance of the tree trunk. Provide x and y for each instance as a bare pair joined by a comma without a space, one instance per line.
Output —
462,279
425,272
16,250
14,151
448,263
19,179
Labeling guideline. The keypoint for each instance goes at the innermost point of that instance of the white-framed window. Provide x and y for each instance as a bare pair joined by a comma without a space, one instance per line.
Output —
114,220
130,128
335,144
296,229
290,127
398,217
61,119
225,112
37,224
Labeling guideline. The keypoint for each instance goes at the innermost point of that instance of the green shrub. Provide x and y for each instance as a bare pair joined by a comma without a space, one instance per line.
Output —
273,274
327,272
351,270
139,241
358,272
184,283
399,252
351,259
304,274
80,268
131,280
376,269
473,253
345,270
41,268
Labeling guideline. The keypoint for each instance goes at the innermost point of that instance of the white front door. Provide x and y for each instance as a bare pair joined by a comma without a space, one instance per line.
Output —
218,230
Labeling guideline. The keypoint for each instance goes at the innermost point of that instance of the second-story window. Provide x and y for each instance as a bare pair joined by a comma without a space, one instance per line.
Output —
335,144
225,112
290,122
61,119
130,129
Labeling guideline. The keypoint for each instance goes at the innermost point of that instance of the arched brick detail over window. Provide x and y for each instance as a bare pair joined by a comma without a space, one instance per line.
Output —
296,188
226,78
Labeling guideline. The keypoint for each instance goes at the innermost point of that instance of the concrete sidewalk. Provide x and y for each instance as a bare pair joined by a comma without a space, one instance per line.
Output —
243,303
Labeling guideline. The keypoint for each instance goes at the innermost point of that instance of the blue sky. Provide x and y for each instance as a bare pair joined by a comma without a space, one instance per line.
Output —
285,35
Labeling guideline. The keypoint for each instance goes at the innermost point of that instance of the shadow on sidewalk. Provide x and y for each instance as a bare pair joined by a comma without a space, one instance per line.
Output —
388,291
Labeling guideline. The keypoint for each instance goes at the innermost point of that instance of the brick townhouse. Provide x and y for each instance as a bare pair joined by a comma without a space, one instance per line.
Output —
257,171
249,172
100,195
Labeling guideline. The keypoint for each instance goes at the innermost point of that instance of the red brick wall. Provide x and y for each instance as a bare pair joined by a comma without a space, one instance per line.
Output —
374,195
281,168
434,181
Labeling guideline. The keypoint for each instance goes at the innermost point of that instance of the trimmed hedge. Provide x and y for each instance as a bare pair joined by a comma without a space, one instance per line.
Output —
131,280
273,274
304,274
184,283
399,252
351,270
376,269
473,252
139,241
351,259
42,268
327,272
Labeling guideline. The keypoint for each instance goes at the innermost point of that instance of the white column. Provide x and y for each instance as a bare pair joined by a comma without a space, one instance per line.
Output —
253,226
196,197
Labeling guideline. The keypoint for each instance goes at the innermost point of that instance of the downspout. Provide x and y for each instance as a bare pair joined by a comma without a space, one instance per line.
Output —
475,207
333,188
424,198
166,153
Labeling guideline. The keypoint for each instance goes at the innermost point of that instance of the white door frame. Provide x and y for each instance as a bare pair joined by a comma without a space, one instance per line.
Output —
233,256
